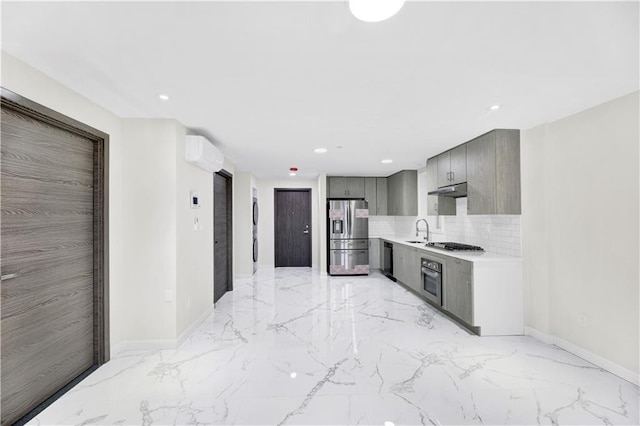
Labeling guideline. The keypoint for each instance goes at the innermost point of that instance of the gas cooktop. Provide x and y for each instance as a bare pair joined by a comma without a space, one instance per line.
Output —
454,246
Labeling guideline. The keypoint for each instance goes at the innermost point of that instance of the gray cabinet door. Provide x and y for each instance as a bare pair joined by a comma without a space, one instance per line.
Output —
337,187
437,205
458,156
371,195
409,193
394,190
458,289
444,167
355,187
381,196
414,273
374,253
508,172
481,175
399,256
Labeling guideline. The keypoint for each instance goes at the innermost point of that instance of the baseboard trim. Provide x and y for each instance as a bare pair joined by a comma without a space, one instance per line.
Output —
161,344
585,354
195,324
142,345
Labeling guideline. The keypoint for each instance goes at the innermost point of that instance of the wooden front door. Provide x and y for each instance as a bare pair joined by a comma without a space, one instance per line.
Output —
292,227
222,236
52,256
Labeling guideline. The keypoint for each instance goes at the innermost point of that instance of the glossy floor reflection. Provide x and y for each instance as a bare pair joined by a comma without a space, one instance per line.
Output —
290,346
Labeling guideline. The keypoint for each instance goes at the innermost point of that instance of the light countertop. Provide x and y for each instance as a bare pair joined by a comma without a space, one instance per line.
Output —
470,256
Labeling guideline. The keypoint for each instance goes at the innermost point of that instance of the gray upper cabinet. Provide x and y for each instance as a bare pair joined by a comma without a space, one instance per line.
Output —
452,166
493,173
375,192
458,289
437,205
381,196
402,191
345,187
371,194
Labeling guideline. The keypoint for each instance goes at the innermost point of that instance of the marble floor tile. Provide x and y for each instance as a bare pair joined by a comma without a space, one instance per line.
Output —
292,346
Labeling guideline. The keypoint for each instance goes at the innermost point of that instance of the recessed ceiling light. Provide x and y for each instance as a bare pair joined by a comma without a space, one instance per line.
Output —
388,423
293,375
163,97
375,10
494,107
387,161
292,173
320,150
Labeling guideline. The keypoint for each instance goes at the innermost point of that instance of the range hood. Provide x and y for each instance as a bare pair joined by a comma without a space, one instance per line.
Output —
453,191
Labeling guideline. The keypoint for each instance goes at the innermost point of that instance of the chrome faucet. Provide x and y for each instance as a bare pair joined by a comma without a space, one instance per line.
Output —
426,238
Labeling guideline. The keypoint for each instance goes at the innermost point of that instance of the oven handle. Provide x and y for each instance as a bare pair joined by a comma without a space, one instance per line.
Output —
431,273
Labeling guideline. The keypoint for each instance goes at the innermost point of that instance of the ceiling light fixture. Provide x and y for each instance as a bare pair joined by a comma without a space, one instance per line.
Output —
494,107
293,171
387,161
163,97
320,150
375,10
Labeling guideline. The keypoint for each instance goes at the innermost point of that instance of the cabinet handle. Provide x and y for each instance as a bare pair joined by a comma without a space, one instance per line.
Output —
453,176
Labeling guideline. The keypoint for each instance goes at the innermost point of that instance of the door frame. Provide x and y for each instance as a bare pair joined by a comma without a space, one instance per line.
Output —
275,221
229,178
101,341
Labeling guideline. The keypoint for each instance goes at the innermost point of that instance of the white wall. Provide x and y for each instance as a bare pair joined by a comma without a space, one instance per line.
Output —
243,183
266,241
194,247
149,172
580,187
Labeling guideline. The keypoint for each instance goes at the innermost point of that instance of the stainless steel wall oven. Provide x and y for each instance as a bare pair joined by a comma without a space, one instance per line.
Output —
431,272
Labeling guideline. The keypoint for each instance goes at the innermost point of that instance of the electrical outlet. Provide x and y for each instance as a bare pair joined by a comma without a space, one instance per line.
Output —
582,320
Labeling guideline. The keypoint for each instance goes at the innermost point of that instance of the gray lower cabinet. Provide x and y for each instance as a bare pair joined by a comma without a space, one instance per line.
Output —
493,173
437,205
406,266
402,191
414,273
374,253
458,289
345,187
400,253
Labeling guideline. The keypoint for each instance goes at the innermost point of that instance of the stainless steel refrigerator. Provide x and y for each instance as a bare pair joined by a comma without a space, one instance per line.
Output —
348,229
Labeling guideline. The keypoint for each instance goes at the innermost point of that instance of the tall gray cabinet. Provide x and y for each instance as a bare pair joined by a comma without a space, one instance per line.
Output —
402,190
493,173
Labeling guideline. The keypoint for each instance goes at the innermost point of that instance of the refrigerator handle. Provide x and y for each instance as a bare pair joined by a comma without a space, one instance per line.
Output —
349,230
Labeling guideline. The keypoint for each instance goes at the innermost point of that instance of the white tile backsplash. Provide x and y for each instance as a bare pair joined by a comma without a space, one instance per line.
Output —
494,233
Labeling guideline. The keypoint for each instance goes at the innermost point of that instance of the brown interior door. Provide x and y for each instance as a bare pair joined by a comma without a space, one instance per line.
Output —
222,236
292,227
47,265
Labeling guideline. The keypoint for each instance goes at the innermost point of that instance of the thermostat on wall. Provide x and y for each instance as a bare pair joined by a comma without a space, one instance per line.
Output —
195,200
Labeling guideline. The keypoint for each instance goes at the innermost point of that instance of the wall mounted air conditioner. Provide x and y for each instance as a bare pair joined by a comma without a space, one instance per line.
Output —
203,153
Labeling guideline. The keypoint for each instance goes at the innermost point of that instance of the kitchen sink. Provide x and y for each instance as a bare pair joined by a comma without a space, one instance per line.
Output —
415,242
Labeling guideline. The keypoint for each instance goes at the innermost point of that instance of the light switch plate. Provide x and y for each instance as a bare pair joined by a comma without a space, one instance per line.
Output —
194,199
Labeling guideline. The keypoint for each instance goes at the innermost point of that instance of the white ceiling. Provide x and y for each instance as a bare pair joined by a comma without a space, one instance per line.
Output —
270,81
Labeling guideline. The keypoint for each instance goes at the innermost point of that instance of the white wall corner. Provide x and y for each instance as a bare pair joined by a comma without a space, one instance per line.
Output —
585,354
